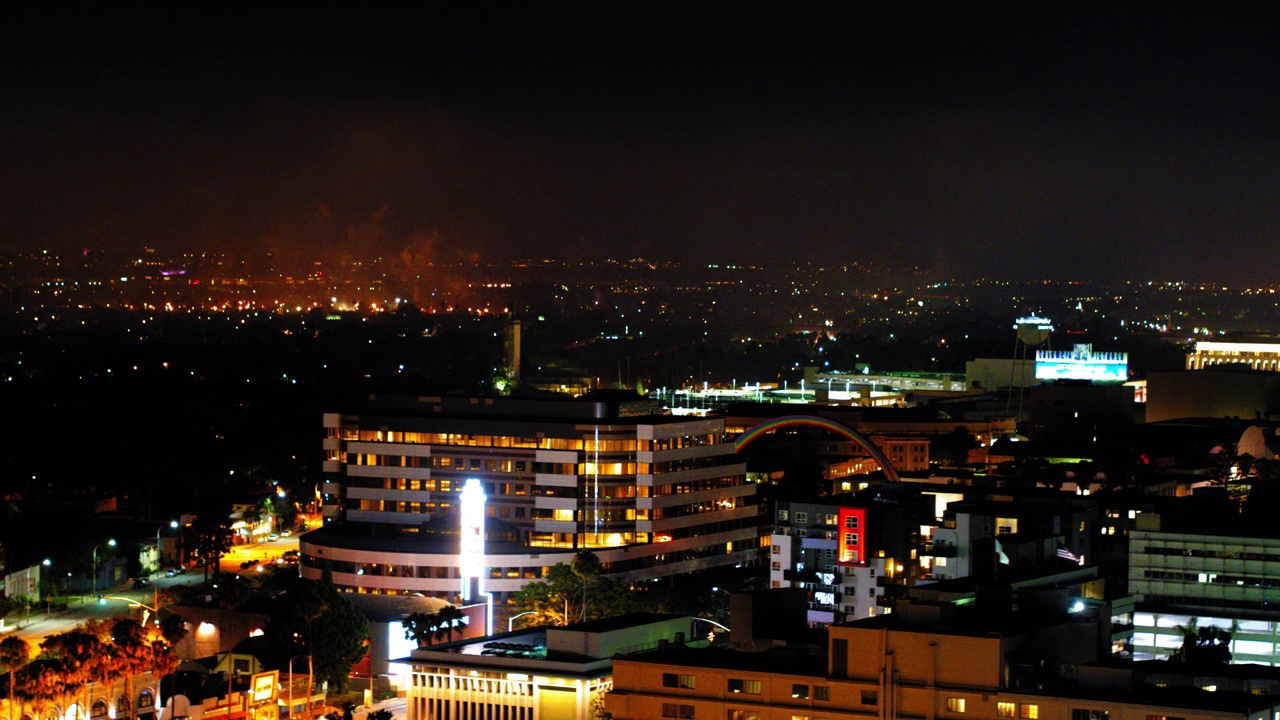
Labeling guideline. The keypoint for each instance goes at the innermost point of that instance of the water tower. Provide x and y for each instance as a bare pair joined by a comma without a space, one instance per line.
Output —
1032,332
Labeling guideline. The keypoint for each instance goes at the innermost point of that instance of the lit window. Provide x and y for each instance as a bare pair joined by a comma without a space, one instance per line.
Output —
742,715
745,687
1005,709
956,705
673,680
1030,712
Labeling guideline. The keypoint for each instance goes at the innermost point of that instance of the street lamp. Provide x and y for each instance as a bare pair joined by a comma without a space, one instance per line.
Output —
172,524
512,619
310,674
111,543
102,600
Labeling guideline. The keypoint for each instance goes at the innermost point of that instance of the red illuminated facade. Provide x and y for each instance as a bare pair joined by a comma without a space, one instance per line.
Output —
851,536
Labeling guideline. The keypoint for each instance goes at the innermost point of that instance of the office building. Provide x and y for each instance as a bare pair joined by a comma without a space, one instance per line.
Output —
1199,580
652,495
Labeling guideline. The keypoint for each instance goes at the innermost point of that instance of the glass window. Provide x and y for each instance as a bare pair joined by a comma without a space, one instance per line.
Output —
956,705
742,715
745,687
674,680
870,697
1030,712
821,692
674,710
1005,709
802,518
851,522
800,692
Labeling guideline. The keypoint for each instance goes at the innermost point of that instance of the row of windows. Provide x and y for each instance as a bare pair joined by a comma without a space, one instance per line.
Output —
681,488
1213,578
506,441
1200,552
802,518
424,572
743,686
1028,711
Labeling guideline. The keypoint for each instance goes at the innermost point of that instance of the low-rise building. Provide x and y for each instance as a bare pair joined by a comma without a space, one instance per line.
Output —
546,673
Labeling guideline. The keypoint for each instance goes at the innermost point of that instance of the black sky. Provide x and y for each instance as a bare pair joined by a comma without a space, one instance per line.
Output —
1089,145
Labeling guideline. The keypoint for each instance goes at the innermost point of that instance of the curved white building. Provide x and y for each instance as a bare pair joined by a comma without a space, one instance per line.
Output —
653,495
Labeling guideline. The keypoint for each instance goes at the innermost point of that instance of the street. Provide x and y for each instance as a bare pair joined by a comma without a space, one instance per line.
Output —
40,623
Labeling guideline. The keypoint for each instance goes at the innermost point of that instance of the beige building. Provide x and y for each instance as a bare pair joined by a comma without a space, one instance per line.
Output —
136,698
1256,355
873,671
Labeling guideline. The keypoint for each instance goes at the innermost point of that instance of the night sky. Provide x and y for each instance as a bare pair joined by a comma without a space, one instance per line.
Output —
1084,146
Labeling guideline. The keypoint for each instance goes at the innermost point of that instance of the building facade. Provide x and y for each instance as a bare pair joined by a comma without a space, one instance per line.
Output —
870,671
1256,355
1188,580
653,495
848,553
537,674
135,698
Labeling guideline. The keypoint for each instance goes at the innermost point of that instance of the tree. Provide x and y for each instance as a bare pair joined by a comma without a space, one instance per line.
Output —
1203,646
953,448
14,653
424,628
447,618
173,627
419,627
210,539
586,566
313,617
559,598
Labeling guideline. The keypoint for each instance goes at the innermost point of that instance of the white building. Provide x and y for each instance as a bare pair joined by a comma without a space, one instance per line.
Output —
652,495
552,673
1205,580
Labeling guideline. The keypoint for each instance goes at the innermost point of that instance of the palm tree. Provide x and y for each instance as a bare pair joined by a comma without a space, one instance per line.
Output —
14,653
418,627
445,618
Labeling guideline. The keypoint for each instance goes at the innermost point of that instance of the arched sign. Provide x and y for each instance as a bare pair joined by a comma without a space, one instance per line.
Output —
877,454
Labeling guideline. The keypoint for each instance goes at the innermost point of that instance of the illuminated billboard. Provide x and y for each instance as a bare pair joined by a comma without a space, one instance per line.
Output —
1082,363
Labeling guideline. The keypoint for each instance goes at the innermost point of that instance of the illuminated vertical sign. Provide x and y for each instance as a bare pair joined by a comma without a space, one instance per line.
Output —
471,547
851,537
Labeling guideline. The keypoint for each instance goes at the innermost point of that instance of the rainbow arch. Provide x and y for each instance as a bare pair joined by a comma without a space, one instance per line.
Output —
877,454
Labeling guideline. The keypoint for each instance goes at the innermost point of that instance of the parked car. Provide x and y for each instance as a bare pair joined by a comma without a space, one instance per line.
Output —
139,583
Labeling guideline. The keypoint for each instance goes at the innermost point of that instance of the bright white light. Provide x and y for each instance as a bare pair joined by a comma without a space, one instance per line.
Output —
471,547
